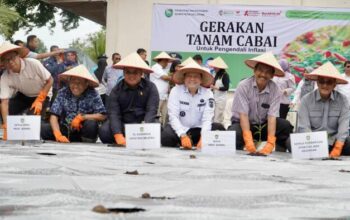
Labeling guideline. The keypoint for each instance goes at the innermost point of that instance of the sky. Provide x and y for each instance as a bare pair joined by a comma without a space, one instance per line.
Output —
59,36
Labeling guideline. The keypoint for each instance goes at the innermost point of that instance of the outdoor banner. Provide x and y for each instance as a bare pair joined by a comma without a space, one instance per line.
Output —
305,36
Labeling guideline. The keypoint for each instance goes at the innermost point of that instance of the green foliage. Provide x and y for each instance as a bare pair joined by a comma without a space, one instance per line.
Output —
36,13
94,46
259,131
41,47
7,18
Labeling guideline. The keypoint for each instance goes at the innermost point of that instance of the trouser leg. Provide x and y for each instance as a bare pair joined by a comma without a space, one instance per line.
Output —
105,133
283,131
20,103
89,131
235,126
284,109
169,137
219,111
163,111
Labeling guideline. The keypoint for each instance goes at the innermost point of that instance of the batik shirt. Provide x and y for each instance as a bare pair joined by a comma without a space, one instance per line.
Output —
66,106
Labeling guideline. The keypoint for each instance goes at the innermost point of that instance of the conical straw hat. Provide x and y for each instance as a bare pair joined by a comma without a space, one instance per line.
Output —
163,55
193,67
266,58
79,71
327,70
187,61
7,47
133,60
218,63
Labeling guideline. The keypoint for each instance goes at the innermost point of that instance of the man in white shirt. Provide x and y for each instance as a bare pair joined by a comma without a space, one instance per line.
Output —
24,84
191,108
161,79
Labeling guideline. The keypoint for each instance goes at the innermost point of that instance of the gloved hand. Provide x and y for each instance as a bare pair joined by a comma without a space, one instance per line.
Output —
337,149
186,142
4,136
76,122
199,144
269,146
120,139
38,103
248,141
59,137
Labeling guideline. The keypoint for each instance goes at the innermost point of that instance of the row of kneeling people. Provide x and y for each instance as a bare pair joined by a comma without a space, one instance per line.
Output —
78,111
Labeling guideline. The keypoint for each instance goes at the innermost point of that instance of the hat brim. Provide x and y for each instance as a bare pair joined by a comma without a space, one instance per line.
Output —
212,64
66,77
169,59
22,51
314,77
179,76
122,67
252,64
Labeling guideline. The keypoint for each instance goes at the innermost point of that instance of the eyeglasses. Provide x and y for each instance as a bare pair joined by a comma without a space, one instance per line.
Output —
7,60
327,82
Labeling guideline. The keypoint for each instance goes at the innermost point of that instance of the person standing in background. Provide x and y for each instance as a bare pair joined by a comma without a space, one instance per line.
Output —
220,87
161,79
287,86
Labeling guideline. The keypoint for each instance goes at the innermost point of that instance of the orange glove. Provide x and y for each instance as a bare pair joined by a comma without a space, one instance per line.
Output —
4,135
248,140
186,142
76,122
119,139
337,149
269,146
59,137
38,103
199,144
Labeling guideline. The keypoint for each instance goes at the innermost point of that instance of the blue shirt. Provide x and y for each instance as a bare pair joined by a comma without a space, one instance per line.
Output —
52,66
67,106
111,77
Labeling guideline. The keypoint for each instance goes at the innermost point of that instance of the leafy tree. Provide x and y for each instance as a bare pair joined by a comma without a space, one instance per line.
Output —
36,13
94,46
41,47
97,44
7,17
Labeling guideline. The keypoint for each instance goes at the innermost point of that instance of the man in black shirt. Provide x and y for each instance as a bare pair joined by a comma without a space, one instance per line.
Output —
132,100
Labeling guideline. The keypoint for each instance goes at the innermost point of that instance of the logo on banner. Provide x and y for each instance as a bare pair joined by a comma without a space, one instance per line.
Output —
169,12
251,13
229,12
271,13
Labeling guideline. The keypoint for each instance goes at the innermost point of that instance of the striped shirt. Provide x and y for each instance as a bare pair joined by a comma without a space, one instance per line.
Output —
257,105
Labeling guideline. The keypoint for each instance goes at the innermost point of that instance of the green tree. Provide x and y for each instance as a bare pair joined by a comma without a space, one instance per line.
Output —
97,44
36,13
94,46
41,47
7,18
